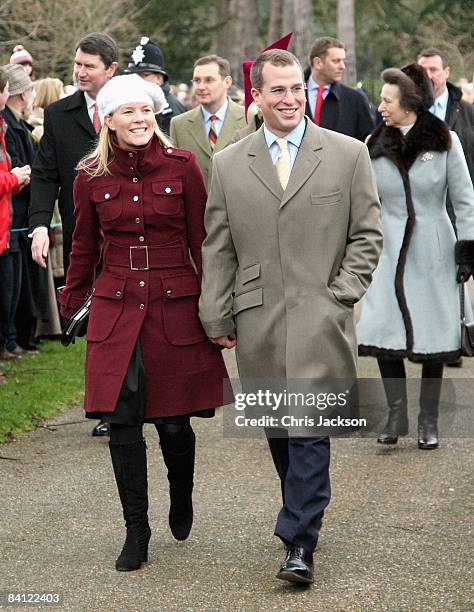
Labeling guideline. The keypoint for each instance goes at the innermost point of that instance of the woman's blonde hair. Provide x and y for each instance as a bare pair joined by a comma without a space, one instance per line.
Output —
47,91
97,162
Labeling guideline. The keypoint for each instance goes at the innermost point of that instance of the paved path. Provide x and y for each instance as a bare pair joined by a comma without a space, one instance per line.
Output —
397,535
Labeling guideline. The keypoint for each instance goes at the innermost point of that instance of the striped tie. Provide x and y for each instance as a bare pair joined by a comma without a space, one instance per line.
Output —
212,131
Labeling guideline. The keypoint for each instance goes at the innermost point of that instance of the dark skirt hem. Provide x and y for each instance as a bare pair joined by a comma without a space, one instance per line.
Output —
111,417
131,404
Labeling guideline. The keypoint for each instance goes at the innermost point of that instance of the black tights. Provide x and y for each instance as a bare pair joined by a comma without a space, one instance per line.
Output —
176,436
395,368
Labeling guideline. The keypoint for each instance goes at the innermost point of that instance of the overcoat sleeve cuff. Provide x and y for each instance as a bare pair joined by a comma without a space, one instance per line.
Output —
464,252
216,329
69,303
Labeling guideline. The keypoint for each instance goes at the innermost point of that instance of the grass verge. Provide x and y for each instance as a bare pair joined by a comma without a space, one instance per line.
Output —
40,386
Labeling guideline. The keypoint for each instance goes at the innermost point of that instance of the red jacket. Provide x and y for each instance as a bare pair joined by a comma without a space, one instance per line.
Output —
8,183
151,212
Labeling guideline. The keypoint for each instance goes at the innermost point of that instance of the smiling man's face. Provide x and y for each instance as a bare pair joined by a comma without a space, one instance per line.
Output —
281,113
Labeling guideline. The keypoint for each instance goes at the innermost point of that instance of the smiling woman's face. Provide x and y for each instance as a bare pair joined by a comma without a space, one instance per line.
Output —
133,124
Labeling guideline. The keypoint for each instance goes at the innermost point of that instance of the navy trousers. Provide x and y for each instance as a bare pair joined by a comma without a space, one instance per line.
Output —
303,467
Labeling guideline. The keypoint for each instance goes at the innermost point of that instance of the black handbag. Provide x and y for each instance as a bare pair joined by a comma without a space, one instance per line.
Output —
77,324
467,331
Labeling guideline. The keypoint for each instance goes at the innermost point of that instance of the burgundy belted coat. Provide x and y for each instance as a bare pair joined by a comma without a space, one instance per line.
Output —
149,214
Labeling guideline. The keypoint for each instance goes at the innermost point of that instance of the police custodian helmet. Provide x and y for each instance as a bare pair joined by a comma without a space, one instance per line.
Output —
147,57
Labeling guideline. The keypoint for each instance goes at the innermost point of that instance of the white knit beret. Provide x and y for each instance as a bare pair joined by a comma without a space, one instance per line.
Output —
129,89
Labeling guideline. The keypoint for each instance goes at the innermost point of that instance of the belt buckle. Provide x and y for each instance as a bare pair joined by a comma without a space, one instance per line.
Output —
132,267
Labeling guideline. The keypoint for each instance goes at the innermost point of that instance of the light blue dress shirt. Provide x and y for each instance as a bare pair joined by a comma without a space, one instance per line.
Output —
440,106
294,139
221,116
313,92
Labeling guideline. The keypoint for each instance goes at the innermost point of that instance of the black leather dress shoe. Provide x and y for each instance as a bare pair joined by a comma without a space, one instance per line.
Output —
298,566
102,429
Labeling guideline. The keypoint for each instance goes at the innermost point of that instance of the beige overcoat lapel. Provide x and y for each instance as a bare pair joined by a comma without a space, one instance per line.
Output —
305,164
228,128
260,163
196,129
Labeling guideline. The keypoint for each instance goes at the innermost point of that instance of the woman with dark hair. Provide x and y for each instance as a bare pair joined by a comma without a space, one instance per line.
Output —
148,358
412,308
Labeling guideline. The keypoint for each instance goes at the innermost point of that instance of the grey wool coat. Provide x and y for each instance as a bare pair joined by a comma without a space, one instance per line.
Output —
412,308
284,268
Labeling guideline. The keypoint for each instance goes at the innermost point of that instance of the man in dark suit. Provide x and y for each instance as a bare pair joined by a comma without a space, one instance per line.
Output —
69,134
70,130
329,103
448,105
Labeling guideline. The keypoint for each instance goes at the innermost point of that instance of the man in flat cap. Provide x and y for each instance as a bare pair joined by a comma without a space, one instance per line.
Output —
148,62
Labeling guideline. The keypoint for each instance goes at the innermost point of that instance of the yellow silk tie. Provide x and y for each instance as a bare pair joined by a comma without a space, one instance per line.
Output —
283,163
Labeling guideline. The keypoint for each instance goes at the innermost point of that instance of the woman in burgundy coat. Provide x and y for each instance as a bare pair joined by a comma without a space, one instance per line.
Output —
148,359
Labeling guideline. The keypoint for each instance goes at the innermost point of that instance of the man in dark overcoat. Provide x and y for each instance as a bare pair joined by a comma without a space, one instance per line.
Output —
329,103
70,130
69,134
448,105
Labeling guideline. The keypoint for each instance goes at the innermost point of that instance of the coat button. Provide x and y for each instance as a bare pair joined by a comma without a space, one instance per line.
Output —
130,154
135,198
141,238
142,306
134,179
169,150
169,292
142,283
168,190
131,168
118,294
107,196
137,219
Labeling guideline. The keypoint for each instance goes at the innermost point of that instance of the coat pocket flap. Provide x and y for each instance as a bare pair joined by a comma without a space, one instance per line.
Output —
181,286
109,287
167,188
326,198
249,274
249,299
104,194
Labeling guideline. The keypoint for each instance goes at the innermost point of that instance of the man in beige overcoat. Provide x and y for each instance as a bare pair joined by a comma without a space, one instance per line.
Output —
208,128
293,236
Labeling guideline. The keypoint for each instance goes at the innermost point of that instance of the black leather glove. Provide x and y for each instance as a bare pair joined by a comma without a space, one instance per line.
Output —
464,273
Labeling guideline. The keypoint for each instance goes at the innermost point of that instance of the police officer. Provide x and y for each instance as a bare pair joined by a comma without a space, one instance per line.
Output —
148,62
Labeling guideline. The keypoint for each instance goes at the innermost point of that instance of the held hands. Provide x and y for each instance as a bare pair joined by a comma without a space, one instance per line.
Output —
39,248
23,175
464,272
224,341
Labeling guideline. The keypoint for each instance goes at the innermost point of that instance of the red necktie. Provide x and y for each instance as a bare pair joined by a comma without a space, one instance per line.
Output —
96,119
319,104
212,131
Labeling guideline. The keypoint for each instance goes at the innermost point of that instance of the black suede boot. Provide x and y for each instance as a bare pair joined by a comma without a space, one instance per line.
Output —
130,468
394,382
178,444
430,392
